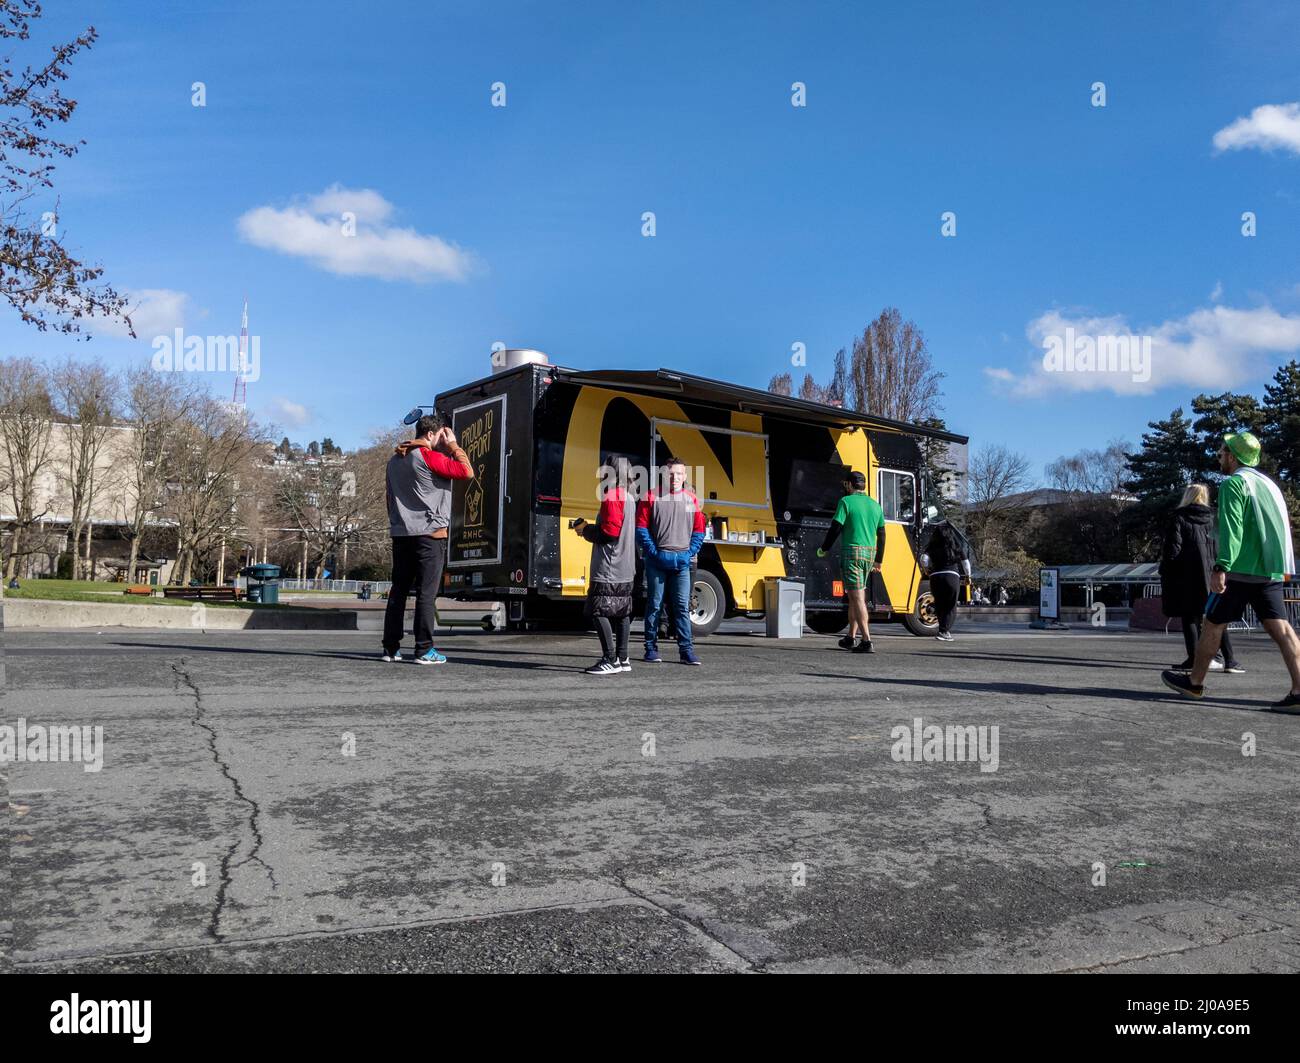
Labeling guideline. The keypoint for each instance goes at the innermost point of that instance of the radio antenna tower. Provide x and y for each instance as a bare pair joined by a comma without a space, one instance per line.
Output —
240,396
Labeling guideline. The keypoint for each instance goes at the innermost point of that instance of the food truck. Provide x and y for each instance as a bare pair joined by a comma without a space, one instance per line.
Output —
768,470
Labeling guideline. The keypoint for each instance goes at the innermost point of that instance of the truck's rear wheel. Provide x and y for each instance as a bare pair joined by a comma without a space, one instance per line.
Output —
708,603
827,623
923,620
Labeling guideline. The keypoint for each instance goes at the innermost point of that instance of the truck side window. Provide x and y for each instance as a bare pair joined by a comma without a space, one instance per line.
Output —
897,495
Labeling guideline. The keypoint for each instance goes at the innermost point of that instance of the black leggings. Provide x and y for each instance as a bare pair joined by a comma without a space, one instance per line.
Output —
946,588
605,628
1192,635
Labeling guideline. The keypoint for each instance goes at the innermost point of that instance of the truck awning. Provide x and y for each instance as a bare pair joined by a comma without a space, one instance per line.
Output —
697,389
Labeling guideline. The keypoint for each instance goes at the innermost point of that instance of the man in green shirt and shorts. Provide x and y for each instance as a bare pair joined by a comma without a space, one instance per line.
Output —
1255,558
861,521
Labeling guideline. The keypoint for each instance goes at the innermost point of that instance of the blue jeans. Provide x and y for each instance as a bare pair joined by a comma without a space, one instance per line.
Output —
676,587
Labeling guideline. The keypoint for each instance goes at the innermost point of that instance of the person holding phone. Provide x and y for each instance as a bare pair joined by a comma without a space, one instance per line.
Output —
613,566
417,488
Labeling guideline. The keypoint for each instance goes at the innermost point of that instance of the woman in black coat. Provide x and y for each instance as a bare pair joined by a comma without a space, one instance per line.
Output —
947,557
1185,563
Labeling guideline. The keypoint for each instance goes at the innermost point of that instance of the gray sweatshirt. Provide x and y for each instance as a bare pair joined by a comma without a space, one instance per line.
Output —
419,489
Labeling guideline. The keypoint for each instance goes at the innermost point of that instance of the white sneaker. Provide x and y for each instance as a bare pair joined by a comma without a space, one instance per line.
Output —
395,657
1216,665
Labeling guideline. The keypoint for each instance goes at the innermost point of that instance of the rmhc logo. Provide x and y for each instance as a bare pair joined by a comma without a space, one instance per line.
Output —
102,1016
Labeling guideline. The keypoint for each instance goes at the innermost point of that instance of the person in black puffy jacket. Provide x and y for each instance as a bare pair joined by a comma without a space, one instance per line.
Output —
949,563
1185,560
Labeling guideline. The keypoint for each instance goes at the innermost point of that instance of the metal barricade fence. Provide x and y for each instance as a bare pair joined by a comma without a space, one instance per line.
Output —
349,586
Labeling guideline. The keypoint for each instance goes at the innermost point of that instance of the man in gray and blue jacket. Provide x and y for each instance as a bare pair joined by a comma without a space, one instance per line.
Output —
670,532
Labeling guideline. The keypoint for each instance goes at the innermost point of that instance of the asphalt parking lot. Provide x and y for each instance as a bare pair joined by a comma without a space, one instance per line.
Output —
507,813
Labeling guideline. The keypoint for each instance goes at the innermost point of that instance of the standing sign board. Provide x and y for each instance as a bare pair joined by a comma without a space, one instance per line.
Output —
476,505
1049,593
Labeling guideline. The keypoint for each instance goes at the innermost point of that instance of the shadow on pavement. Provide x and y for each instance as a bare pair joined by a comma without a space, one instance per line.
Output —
1236,704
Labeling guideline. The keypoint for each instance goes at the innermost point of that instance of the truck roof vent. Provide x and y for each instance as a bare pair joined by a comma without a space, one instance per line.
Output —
514,357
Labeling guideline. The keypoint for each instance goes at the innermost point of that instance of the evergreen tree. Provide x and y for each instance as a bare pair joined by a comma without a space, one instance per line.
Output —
1171,457
1281,424
1217,415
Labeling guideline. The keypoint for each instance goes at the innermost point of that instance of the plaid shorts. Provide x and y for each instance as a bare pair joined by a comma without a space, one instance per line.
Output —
856,563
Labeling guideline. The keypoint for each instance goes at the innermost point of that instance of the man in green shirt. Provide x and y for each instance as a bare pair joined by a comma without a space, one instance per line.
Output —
1255,558
861,521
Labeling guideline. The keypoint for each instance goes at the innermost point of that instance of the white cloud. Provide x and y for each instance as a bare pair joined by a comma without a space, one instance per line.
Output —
315,229
154,312
1212,348
1272,126
291,414
1217,293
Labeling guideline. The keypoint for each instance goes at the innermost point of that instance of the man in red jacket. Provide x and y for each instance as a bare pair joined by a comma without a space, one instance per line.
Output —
418,489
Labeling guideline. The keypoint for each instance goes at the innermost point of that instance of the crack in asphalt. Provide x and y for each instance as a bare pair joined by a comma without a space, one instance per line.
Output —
228,867
1159,953
697,923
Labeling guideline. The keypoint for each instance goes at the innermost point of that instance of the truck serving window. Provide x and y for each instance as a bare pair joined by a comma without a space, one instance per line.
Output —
896,493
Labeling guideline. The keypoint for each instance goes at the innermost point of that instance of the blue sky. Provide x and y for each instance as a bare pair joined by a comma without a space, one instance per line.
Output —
775,224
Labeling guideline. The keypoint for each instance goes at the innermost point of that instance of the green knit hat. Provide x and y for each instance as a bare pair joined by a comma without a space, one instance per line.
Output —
1244,446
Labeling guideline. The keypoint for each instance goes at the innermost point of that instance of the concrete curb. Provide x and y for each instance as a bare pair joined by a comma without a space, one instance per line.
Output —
26,612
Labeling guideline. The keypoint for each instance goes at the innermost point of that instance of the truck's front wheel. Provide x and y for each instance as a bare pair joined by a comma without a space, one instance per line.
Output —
923,620
708,603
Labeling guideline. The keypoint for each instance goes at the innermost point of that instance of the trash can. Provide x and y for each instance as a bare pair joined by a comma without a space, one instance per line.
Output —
783,607
263,583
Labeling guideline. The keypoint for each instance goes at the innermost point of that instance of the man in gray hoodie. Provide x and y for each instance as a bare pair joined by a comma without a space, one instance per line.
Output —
418,489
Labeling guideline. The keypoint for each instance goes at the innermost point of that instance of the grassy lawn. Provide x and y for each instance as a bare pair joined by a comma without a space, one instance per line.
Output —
80,590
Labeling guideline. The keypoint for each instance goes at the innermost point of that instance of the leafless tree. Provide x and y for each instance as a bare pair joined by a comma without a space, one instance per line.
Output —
86,394
810,390
781,384
334,502
38,276
1098,472
995,476
890,372
26,414
209,461
154,406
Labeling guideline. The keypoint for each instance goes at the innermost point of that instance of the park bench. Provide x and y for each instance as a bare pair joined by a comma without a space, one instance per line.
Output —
208,594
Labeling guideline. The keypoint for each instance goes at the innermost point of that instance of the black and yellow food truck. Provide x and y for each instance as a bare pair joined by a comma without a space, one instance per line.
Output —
767,469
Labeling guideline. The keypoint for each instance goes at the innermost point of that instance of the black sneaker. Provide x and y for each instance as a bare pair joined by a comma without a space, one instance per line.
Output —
603,667
1182,683
847,642
1186,666
1288,706
864,647
944,636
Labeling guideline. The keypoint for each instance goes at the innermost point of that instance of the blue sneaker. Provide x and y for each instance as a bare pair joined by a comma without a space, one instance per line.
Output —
431,656
652,657
688,657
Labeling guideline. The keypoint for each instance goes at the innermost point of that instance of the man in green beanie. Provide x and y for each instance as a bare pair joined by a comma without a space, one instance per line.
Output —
1255,558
